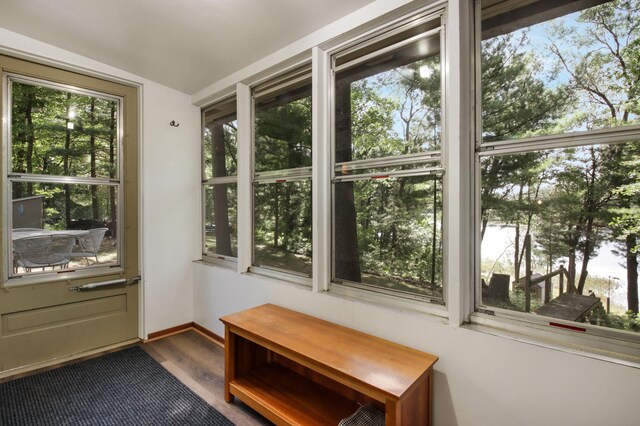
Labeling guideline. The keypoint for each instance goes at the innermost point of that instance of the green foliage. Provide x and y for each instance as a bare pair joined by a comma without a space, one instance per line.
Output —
628,321
58,133
573,200
282,218
516,102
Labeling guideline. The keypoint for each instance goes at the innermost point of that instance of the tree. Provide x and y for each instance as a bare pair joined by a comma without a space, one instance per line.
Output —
602,62
515,103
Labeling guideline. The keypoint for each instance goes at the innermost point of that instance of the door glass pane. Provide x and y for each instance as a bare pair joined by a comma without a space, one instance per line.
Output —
55,132
388,234
283,226
221,218
43,211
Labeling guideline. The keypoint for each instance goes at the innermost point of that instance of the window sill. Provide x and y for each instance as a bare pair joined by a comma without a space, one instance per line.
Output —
389,301
277,276
218,263
538,332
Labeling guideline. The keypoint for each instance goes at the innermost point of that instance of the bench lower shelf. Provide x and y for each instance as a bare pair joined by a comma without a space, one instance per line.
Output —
286,398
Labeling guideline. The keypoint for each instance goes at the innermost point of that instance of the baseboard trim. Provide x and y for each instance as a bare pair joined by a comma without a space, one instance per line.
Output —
208,333
205,332
169,331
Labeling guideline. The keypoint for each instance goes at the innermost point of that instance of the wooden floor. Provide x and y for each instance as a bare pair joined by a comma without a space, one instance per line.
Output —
198,362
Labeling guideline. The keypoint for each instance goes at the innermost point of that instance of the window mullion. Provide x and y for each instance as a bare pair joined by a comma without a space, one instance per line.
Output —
245,171
458,125
321,160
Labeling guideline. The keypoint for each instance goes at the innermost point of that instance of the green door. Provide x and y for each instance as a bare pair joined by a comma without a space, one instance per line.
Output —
70,209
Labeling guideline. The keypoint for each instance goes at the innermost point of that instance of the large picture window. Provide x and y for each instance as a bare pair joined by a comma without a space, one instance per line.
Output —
282,174
220,182
387,191
559,160
64,176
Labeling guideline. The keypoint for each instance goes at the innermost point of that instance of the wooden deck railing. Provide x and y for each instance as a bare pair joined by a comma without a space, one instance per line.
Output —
528,281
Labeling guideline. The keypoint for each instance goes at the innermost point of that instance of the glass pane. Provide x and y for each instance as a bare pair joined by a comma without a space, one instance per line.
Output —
283,226
581,210
388,234
54,132
221,218
220,147
41,212
390,107
570,73
283,131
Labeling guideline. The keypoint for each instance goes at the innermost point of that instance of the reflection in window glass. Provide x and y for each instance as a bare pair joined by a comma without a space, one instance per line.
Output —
221,218
579,209
220,147
398,244
282,179
54,132
219,187
387,207
283,131
282,226
390,108
571,73
88,213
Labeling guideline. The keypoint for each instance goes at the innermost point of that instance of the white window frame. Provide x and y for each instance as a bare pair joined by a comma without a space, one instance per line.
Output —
434,162
619,346
210,257
10,177
281,80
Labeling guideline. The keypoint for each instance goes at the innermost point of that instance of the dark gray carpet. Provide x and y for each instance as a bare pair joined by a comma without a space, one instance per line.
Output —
121,388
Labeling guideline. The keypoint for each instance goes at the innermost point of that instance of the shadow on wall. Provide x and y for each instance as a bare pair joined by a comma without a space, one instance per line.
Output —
443,410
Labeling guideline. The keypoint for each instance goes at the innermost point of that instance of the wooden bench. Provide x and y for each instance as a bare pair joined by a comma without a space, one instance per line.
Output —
295,369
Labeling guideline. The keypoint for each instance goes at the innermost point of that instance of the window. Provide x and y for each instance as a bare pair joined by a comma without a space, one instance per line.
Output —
219,181
282,174
64,174
559,158
387,171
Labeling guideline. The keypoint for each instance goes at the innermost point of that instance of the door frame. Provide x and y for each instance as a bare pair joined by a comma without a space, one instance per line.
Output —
131,93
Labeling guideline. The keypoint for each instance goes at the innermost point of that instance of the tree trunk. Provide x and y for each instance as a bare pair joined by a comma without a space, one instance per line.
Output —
220,203
632,273
276,215
346,257
586,256
31,139
95,206
516,254
435,230
113,215
571,269
67,146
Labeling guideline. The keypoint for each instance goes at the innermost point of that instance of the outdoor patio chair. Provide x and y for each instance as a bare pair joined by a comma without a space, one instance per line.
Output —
90,244
43,251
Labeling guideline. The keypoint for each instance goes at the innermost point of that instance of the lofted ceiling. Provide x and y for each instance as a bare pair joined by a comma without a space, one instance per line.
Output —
183,44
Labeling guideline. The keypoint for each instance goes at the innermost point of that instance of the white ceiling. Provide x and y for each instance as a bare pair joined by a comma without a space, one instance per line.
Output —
183,44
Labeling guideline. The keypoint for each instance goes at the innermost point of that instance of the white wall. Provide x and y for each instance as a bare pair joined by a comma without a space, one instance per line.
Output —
170,183
480,379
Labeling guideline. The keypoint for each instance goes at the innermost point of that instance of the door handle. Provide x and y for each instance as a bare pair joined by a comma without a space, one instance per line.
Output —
92,286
